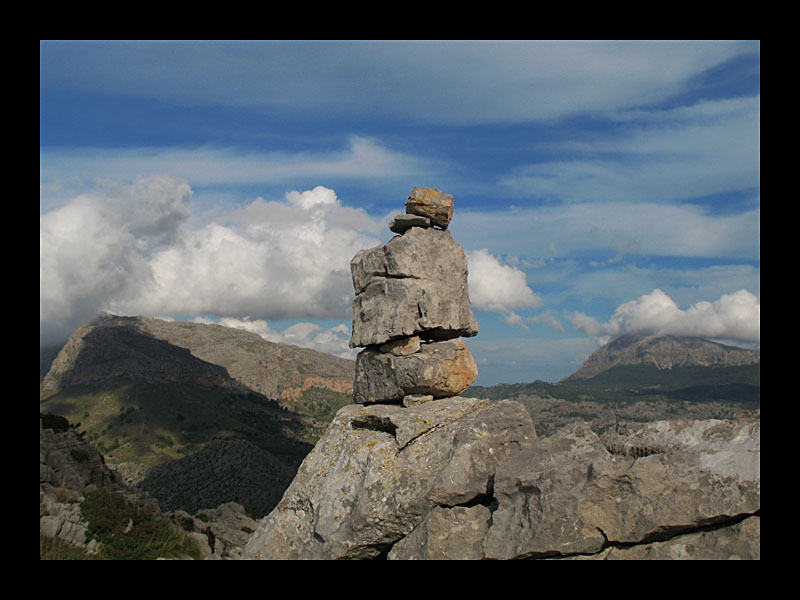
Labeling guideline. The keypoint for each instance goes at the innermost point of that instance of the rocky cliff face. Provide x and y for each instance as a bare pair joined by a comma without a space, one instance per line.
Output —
464,478
114,348
279,371
665,352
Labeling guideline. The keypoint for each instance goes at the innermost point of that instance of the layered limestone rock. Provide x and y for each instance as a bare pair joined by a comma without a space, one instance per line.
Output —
411,302
463,478
415,284
380,469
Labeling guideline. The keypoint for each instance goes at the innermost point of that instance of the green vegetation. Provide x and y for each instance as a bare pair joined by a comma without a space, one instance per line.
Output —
153,423
320,405
127,532
57,549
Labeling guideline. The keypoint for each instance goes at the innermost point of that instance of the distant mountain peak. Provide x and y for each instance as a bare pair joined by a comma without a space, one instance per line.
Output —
664,352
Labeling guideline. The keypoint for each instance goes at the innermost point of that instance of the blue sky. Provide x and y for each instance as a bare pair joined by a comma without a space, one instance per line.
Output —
600,188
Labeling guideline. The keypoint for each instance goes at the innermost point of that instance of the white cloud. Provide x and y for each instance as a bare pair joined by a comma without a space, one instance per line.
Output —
494,286
360,157
96,249
334,340
126,250
709,148
274,260
733,317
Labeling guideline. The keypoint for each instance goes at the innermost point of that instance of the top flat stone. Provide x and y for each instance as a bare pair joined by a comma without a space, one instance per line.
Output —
431,203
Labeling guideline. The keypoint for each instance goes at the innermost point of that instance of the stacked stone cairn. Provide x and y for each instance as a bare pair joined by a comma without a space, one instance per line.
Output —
411,308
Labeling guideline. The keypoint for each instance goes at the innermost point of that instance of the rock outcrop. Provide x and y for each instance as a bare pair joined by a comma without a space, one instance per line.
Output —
464,478
69,468
228,527
411,304
413,470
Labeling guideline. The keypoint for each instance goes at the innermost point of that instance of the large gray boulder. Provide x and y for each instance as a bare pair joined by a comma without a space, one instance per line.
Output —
414,284
380,469
462,478
578,494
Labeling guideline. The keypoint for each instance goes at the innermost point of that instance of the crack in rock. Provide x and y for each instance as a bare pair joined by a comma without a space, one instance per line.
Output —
664,535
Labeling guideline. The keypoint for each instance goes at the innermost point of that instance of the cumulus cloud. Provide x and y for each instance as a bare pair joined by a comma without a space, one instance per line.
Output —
97,249
126,249
133,248
271,259
733,317
494,286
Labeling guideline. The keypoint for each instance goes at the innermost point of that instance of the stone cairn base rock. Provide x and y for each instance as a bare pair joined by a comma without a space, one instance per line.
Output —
467,478
411,307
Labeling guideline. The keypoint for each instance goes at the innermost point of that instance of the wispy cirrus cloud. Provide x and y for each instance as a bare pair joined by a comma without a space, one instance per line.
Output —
469,82
676,154
649,228
210,165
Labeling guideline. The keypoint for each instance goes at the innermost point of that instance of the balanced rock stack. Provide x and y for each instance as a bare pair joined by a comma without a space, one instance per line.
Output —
411,308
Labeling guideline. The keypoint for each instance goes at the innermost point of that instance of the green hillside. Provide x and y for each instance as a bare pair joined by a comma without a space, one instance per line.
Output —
141,399
152,423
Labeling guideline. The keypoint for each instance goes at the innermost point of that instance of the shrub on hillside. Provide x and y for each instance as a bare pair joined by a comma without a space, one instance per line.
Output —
127,532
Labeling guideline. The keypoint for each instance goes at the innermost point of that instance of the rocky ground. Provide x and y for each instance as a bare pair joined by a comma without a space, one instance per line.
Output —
70,469
464,478
551,414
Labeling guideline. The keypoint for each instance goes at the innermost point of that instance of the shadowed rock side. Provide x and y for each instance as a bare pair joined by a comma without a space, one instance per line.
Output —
464,478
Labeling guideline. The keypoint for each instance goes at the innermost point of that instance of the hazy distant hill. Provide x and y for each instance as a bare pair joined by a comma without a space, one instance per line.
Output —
643,379
664,352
